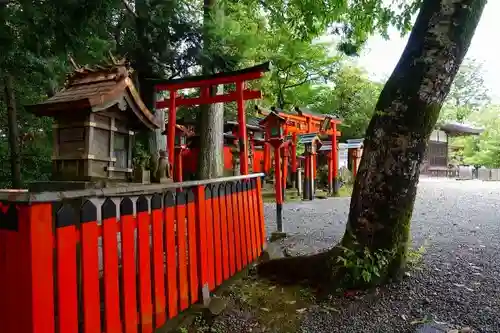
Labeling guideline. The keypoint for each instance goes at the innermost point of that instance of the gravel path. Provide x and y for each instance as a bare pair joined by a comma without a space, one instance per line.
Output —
459,282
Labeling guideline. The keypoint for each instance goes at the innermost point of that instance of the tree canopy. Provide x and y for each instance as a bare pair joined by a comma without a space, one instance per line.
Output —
165,39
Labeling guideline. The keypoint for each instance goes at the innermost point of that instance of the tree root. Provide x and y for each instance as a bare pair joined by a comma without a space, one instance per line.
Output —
317,271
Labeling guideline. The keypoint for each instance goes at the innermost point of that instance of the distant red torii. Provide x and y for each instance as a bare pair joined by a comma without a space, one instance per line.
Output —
305,122
204,82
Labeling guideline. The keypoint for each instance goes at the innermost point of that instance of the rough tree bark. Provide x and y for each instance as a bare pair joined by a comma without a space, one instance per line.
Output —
15,157
395,141
155,141
211,117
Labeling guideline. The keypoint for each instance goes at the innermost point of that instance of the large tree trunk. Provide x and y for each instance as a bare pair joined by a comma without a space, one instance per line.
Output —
395,141
211,118
406,113
154,140
211,126
15,157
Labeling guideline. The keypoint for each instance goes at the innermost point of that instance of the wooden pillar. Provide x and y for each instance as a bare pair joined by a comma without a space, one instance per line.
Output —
242,127
307,177
88,142
178,165
278,189
314,163
294,152
267,157
112,158
299,182
335,160
285,169
171,129
313,175
294,160
329,156
354,153
252,153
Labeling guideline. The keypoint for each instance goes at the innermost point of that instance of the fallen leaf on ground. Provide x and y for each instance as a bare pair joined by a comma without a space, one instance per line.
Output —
329,308
265,309
301,310
420,321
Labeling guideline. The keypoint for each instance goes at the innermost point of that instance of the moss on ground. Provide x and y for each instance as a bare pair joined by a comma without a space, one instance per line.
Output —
278,308
272,308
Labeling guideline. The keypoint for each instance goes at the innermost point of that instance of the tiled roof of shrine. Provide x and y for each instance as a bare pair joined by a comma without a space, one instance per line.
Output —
94,89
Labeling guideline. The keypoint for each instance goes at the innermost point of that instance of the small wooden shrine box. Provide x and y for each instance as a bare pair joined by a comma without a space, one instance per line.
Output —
96,117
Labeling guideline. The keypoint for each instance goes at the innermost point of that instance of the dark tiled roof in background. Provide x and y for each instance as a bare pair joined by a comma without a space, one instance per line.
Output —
312,113
326,146
460,129
307,138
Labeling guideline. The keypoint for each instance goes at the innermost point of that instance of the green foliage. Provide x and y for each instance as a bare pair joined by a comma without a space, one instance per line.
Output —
362,266
141,156
165,39
353,99
482,150
414,257
322,176
468,92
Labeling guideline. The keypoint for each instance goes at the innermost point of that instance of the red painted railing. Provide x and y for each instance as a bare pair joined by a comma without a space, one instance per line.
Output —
127,260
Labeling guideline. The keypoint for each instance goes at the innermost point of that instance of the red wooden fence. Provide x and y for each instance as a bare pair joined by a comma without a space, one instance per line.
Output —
125,262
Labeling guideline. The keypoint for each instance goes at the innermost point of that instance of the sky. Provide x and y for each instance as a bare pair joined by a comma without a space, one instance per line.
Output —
381,56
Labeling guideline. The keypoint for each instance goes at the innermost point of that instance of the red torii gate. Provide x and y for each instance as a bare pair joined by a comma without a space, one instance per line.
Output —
204,82
306,123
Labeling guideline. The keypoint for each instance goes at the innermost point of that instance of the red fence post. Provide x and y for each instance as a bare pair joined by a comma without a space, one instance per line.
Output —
26,268
144,264
221,193
260,222
110,263
182,259
201,237
128,225
192,258
66,270
89,234
217,223
231,217
158,260
170,247
242,225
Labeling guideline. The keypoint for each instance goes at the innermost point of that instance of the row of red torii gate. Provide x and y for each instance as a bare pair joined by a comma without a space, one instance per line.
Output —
249,145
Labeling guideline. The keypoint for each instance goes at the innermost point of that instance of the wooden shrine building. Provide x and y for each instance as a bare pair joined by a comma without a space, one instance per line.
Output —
436,158
96,117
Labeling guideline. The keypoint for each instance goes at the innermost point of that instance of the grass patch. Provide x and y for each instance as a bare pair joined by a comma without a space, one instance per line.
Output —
268,195
345,191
